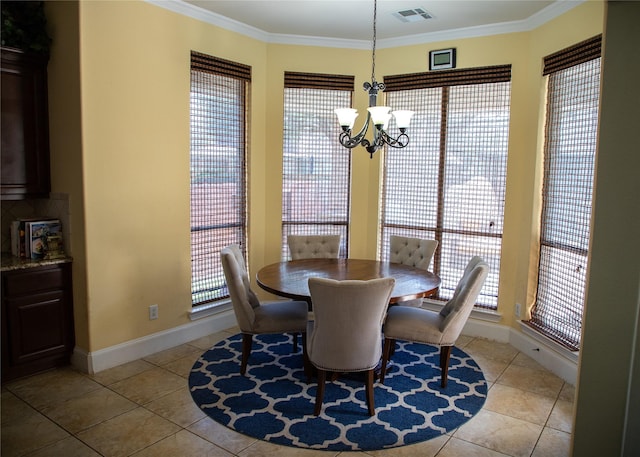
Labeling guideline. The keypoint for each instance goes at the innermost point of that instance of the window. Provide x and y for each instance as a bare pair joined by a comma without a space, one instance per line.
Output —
219,94
449,183
316,169
573,92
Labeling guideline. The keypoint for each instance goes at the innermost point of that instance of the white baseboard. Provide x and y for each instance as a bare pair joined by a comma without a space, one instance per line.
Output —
547,353
555,358
481,328
96,361
561,362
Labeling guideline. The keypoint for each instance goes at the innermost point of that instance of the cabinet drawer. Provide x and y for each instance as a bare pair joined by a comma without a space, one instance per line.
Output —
40,279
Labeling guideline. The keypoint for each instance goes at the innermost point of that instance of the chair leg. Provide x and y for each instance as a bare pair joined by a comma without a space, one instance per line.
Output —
309,369
247,339
386,354
320,392
445,354
369,391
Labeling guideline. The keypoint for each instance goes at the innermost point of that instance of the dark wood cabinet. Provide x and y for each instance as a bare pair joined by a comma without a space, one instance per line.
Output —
25,169
37,319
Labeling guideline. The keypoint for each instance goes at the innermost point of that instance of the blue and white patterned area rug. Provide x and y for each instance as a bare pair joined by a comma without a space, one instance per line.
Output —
273,401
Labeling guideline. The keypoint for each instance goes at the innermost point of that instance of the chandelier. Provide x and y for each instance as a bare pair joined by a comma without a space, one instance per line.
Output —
379,116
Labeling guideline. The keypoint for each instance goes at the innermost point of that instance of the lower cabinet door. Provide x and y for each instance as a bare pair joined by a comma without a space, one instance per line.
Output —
38,327
37,320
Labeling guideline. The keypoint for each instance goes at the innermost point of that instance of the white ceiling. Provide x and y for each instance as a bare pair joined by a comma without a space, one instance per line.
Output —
352,20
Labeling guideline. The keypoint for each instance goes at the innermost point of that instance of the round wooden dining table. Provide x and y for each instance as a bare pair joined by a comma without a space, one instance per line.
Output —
291,279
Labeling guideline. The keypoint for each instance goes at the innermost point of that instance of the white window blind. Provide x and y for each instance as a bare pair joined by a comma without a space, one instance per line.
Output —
316,169
219,91
569,157
449,183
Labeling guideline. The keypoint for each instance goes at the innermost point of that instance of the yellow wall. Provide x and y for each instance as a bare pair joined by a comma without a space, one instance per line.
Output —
316,60
65,126
135,139
129,139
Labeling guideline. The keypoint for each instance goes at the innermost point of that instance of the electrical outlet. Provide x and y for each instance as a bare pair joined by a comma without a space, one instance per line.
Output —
518,310
153,312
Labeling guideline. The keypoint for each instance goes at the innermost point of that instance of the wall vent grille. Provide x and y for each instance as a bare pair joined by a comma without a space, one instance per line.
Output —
413,15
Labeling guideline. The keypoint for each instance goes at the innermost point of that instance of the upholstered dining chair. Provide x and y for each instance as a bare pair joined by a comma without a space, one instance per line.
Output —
442,328
254,317
345,335
314,246
415,252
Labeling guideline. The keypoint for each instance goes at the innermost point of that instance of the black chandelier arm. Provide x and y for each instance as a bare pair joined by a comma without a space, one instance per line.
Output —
347,141
380,139
400,142
351,142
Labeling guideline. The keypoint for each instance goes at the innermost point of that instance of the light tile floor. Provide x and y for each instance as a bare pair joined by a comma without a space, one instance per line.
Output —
144,408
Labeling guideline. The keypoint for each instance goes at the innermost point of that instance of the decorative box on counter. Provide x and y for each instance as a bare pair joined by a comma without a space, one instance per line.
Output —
39,238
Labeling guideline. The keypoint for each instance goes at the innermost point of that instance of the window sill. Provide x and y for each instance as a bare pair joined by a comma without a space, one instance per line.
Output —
209,309
539,337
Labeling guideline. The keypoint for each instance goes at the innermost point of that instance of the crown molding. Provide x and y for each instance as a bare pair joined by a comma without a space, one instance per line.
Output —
195,12
550,12
541,17
325,42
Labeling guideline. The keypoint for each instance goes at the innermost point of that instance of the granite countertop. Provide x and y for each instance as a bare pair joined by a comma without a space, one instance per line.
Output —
10,262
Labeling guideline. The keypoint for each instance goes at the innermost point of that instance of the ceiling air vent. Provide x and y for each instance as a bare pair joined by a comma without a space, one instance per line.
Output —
414,15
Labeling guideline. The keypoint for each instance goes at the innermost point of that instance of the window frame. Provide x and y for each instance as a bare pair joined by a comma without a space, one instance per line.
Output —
214,163
324,93
446,82
560,290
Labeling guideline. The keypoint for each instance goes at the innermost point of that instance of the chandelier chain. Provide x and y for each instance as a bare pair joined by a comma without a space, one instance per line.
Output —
373,56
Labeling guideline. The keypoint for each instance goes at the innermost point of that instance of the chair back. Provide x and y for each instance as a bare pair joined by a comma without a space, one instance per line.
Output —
314,246
244,300
415,252
347,327
457,310
237,253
